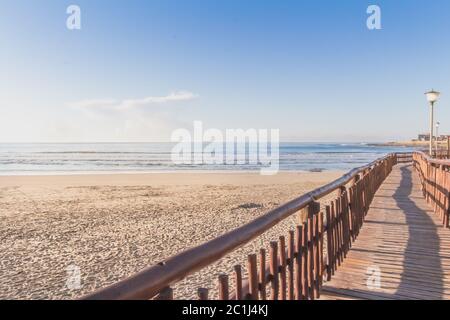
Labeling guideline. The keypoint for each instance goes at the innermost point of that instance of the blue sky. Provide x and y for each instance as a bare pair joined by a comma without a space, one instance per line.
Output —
139,69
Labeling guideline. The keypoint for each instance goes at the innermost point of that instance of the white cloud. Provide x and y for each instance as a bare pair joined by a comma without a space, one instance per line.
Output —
126,104
93,104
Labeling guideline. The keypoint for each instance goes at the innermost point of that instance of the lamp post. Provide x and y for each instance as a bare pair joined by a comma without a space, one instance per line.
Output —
432,97
437,138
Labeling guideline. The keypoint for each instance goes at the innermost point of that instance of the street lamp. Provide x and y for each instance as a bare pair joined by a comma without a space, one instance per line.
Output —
432,97
437,137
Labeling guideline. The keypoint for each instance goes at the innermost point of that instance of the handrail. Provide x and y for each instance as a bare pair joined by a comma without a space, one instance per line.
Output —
152,280
440,162
435,180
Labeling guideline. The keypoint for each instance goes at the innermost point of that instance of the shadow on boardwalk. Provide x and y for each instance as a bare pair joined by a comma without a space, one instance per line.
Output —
422,263
404,239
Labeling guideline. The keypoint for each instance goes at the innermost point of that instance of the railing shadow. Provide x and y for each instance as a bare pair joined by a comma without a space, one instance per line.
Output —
421,252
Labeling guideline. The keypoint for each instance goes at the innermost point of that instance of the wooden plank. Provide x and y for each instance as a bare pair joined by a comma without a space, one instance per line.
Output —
402,237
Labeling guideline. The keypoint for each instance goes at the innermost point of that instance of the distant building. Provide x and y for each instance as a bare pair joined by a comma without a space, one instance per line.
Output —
424,137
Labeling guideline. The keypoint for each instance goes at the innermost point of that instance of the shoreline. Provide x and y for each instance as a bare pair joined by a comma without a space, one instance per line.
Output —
409,144
145,172
162,178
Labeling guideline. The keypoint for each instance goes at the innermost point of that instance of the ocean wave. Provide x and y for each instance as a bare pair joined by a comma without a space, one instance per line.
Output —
133,157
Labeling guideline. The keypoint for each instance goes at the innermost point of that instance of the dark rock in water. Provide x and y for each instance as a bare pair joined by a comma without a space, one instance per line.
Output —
316,170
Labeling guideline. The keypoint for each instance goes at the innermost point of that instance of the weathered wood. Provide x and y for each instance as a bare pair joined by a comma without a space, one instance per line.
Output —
165,294
433,176
401,237
238,282
329,243
311,255
404,239
305,271
202,293
291,258
262,274
335,239
316,236
149,282
252,269
274,270
298,263
224,293
321,245
283,282
448,147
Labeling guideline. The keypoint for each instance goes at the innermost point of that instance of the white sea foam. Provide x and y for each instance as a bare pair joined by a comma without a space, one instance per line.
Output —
155,157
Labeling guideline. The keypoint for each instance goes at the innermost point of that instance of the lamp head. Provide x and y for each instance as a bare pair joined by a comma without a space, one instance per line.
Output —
432,96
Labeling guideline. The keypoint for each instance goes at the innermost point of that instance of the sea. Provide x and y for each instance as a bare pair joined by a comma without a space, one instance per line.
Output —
85,158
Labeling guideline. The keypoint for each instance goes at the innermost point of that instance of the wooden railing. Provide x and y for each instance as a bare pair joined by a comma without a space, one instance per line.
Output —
441,154
435,179
404,157
296,266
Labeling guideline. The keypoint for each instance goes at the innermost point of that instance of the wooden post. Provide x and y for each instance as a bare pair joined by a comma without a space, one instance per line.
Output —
316,256
238,281
305,261
302,216
448,147
339,211
298,263
223,287
165,294
329,243
313,257
282,250
291,257
442,197
353,208
262,273
252,269
202,294
321,264
335,235
310,249
274,269
343,193
447,197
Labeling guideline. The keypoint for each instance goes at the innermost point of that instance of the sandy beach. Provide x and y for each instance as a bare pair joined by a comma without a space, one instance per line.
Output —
113,225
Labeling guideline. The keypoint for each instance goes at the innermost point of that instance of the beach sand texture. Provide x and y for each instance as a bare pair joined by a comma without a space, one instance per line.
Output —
112,226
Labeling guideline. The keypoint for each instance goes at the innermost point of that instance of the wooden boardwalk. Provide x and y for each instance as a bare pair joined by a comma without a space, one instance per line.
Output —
399,250
403,241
